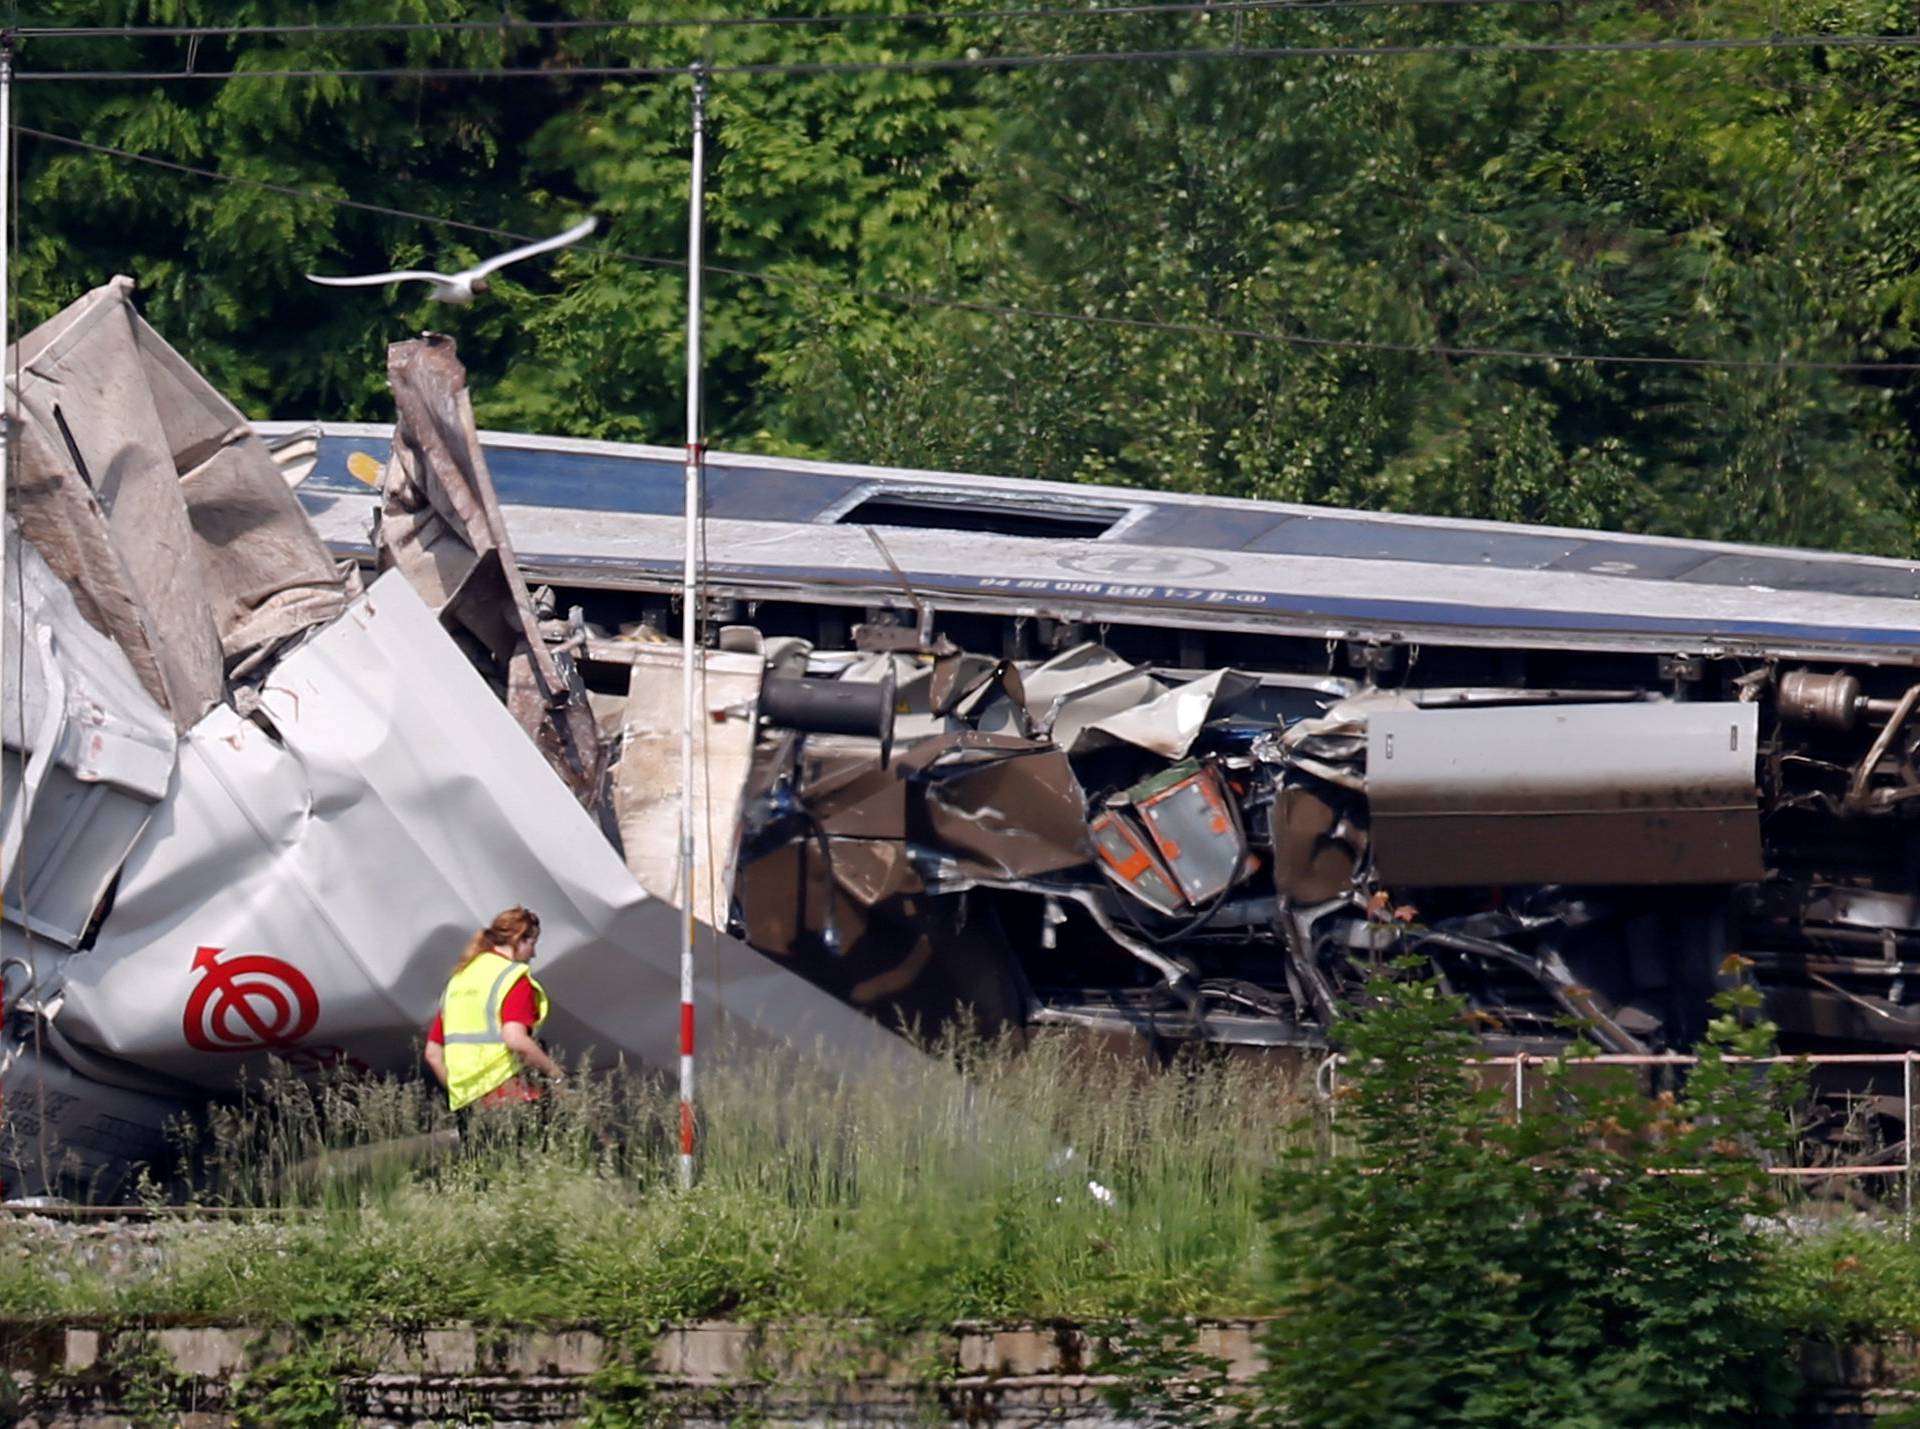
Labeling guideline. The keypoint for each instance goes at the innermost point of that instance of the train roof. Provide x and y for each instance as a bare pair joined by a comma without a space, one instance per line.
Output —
609,514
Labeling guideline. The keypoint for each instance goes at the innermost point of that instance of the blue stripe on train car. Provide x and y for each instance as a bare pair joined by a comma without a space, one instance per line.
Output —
633,486
652,486
1361,609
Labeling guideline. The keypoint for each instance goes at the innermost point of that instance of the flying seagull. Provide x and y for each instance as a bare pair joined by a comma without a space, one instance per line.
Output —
459,288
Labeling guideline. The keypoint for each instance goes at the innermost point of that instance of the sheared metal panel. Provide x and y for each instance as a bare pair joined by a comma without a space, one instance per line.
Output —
98,492
440,524
307,885
154,500
60,865
1585,794
646,775
88,753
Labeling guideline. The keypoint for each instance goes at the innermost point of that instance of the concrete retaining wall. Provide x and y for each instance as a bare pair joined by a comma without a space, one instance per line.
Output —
92,1376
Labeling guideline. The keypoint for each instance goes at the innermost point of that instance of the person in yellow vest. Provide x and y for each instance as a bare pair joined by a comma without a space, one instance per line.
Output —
481,1041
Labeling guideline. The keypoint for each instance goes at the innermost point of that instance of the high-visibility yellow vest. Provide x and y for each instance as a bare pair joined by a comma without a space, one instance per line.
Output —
477,1060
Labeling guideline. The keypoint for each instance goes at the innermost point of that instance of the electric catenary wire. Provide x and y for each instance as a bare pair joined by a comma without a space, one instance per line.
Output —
1007,310
937,63
313,196
508,24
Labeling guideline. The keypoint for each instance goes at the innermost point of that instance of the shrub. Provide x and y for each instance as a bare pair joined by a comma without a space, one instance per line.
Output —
1595,1261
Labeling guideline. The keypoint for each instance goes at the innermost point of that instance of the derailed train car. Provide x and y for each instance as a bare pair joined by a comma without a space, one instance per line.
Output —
1160,767
249,809
1184,767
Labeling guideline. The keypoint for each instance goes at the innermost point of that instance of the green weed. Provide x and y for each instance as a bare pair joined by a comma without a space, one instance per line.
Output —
1599,1260
297,1390
912,1198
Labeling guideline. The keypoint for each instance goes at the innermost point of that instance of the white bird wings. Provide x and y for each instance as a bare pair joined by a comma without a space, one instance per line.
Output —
471,275
513,255
369,280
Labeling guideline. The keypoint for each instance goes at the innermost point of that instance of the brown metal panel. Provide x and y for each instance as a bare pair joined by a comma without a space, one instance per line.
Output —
1654,846
1642,793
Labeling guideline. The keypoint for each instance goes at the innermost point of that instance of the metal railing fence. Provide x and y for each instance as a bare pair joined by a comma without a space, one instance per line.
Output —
1902,1168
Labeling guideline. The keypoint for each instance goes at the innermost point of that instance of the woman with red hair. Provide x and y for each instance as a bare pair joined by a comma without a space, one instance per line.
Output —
482,1038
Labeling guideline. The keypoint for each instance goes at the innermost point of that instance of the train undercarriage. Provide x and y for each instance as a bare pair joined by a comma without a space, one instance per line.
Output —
1189,834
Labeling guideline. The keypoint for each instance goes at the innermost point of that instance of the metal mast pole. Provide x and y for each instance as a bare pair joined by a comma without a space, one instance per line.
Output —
6,397
689,616
6,410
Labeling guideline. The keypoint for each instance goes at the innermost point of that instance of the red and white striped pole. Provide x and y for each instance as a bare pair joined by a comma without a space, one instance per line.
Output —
6,407
689,618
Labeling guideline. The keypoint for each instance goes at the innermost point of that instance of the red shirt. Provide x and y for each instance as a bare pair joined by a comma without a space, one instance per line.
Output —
520,1006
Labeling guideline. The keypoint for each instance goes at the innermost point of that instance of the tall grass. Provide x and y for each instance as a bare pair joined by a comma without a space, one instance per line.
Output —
920,1198
1044,1182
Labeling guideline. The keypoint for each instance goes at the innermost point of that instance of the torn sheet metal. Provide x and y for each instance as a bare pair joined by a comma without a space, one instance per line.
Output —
1168,725
1648,793
961,681
646,776
855,875
267,576
1001,807
153,500
440,524
88,754
994,805
1315,852
855,919
97,491
850,796
313,876
1071,690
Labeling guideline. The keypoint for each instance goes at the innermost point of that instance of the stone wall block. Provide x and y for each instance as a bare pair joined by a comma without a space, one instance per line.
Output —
1236,1343
568,1352
1025,1351
705,1354
976,1352
81,1351
453,1349
206,1353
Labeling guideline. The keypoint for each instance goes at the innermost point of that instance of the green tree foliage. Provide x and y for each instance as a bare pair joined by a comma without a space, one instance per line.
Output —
1454,1266
220,265
810,181
1742,207
1736,207
817,183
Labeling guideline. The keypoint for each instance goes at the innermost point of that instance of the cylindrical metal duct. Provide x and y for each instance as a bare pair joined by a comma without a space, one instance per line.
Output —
1827,701
859,707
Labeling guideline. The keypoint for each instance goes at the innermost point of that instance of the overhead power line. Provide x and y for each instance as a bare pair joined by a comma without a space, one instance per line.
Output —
314,196
308,195
508,24
1005,62
1006,310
